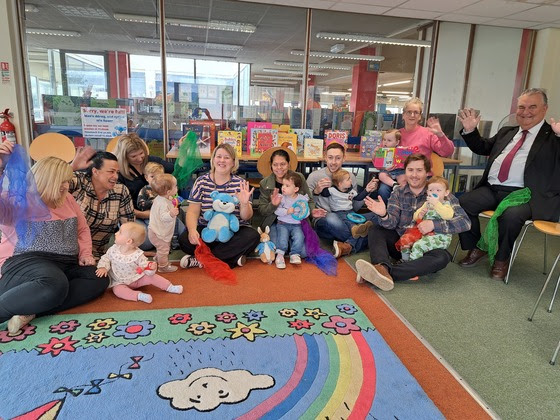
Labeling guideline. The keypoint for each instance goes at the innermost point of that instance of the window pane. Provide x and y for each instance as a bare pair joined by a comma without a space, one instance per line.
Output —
94,57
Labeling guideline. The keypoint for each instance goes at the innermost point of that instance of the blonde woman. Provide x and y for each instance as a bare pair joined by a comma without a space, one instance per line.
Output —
51,268
133,156
222,178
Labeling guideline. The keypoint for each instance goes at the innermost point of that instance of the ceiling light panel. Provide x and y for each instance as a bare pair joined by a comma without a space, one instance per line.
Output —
188,44
372,39
83,12
282,71
402,82
265,76
216,25
324,54
51,32
313,66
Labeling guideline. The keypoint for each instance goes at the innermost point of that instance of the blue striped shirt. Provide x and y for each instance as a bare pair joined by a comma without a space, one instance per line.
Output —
202,188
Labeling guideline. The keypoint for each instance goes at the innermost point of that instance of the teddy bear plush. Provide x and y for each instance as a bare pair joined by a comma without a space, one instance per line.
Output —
222,223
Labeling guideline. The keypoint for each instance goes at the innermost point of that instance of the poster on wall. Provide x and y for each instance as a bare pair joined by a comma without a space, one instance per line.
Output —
104,123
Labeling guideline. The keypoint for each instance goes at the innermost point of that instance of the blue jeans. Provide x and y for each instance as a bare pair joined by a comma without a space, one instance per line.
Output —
384,192
336,227
274,239
289,234
147,245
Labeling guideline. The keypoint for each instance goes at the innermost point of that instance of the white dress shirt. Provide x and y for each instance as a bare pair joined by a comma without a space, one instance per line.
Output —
517,169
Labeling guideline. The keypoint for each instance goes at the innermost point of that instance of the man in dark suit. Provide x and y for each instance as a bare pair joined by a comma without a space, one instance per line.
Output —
518,157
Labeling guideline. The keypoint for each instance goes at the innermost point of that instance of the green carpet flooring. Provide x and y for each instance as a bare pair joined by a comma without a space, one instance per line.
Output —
480,327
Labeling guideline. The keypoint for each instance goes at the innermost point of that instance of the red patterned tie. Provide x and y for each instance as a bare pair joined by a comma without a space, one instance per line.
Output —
503,174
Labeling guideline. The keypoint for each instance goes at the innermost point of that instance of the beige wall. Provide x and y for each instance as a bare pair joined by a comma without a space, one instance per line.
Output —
546,68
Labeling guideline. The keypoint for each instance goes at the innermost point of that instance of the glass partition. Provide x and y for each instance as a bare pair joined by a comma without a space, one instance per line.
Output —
230,66
84,61
362,71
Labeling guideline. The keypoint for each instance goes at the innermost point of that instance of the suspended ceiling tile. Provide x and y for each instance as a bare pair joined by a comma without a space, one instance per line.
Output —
440,6
495,8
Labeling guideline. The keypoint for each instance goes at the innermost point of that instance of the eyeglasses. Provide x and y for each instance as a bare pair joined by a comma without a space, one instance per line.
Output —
412,112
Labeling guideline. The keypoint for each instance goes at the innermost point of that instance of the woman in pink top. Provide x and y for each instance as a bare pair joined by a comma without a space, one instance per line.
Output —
423,140
46,261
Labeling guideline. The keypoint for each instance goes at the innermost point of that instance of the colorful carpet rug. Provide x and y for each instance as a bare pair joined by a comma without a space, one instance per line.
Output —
309,359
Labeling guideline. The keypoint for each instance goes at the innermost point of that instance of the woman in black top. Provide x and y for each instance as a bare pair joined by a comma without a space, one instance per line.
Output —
133,155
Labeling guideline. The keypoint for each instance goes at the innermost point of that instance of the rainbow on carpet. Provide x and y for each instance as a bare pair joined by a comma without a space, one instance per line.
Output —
314,359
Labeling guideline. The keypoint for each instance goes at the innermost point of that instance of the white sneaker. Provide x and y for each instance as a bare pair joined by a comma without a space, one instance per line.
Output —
280,263
295,259
375,274
188,262
168,268
241,261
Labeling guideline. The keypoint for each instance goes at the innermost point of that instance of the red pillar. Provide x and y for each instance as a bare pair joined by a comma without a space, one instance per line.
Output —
364,89
119,74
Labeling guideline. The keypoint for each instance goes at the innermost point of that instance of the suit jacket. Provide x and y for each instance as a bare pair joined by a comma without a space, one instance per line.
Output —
542,168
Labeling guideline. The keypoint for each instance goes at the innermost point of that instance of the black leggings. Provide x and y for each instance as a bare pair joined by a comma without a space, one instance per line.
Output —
243,242
43,283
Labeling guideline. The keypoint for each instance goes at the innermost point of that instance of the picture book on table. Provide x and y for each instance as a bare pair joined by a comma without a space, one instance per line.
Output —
338,136
233,138
313,148
386,157
205,135
288,140
302,134
252,125
369,142
262,139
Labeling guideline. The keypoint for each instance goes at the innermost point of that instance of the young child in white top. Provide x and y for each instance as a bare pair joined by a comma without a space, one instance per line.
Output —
391,176
289,231
128,268
162,219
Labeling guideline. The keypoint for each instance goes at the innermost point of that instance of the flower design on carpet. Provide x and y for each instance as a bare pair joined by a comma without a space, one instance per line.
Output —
22,334
226,317
64,327
314,313
299,324
179,319
134,329
288,313
102,324
253,315
202,328
347,308
247,331
342,325
56,346
95,338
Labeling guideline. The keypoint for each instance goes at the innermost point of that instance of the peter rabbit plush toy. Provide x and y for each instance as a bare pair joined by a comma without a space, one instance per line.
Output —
266,249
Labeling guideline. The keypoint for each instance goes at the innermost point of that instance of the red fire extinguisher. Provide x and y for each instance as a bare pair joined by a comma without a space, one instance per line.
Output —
7,129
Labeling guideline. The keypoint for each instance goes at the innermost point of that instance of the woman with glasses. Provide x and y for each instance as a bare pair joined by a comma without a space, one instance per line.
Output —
423,140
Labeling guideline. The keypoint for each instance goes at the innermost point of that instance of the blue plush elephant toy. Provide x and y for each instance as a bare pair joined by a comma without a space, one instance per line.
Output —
222,223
